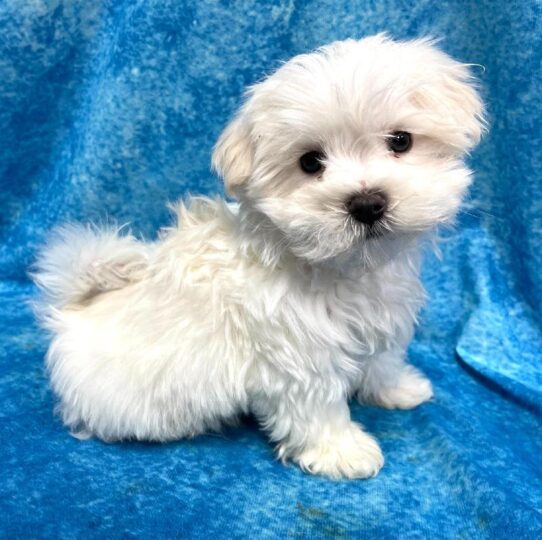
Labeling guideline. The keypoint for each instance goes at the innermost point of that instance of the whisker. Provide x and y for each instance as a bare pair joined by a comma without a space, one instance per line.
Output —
479,213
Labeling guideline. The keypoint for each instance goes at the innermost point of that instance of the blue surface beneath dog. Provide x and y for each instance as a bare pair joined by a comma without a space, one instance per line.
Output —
107,111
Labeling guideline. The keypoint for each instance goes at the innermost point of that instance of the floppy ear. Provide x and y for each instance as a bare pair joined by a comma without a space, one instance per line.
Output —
233,154
452,93
464,104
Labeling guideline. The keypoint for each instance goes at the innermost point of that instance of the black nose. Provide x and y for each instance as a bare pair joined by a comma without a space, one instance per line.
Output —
367,207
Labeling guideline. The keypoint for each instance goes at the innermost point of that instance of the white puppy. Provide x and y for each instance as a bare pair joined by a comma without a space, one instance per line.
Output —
305,295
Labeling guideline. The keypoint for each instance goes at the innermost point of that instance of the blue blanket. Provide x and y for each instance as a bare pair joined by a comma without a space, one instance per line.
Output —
108,110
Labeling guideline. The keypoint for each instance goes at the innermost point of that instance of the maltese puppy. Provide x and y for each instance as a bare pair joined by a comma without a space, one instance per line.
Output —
299,298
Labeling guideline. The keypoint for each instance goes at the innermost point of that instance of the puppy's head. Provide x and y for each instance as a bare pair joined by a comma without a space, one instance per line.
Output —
354,146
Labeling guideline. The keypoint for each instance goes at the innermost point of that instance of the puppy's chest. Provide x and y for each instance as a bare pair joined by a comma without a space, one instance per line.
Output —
366,315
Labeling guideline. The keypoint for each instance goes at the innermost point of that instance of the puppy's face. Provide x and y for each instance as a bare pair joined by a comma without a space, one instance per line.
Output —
355,146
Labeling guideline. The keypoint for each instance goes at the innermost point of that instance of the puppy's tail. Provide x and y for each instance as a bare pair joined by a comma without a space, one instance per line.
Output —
80,262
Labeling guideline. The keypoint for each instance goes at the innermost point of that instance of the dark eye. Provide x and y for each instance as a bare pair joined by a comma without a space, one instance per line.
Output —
311,162
399,142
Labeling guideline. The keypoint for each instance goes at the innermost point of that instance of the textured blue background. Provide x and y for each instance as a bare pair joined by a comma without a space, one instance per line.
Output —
108,110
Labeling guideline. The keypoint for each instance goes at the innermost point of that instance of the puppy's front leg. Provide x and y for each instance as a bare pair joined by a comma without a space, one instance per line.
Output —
388,381
317,433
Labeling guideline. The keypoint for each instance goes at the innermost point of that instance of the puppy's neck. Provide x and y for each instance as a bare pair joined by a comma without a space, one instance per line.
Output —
258,238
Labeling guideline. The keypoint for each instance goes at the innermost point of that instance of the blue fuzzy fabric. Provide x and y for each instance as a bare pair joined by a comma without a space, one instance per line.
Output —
110,109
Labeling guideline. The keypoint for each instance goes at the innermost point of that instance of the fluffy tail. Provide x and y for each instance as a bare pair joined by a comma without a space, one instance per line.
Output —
80,262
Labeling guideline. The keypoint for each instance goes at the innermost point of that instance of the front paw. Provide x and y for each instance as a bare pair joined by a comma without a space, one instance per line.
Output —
348,454
411,389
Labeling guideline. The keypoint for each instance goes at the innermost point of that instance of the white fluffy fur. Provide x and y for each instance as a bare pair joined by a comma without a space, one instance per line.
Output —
284,307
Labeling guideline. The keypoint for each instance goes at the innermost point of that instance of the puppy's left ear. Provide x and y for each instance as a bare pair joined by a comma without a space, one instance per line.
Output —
451,91
233,154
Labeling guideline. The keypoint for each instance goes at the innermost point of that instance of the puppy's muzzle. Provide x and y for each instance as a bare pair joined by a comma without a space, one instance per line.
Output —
367,207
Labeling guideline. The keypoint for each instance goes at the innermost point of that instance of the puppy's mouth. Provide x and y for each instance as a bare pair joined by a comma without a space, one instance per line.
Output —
374,231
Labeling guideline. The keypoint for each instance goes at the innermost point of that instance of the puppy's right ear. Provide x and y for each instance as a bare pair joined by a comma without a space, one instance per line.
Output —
233,154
